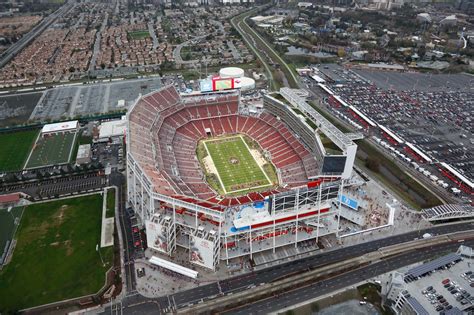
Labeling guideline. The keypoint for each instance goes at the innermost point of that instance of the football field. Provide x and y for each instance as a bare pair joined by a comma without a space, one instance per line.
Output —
236,167
51,150
15,147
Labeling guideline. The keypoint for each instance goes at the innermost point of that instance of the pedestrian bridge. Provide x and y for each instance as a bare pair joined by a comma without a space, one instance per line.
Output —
355,135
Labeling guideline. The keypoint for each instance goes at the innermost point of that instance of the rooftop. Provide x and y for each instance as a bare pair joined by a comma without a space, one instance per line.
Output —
435,273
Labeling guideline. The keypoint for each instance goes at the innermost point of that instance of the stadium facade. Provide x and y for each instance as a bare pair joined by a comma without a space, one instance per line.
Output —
168,191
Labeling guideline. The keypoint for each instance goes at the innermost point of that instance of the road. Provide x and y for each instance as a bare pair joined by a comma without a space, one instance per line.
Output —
151,30
292,81
267,275
177,51
235,52
117,179
254,40
14,49
344,280
237,23
96,49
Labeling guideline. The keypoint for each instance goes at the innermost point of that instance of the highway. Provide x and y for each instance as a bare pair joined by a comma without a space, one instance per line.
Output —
14,49
137,304
347,279
254,40
292,80
237,22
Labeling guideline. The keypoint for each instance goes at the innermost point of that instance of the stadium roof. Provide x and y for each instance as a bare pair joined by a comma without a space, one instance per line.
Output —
60,126
333,133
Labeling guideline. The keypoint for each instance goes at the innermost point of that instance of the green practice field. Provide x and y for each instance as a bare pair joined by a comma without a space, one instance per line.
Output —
236,167
55,257
52,149
15,147
139,34
7,225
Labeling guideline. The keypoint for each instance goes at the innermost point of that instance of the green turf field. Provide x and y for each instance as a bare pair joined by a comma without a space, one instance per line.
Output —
55,257
110,203
51,150
236,167
15,148
139,34
7,225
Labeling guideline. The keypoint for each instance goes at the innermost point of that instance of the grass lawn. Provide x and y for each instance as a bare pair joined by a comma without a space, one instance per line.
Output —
139,34
15,148
55,256
110,203
236,167
54,149
370,292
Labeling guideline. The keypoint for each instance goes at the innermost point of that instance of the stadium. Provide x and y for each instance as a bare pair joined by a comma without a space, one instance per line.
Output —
224,178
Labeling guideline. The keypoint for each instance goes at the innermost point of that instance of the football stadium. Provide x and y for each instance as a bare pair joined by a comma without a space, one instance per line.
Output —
223,178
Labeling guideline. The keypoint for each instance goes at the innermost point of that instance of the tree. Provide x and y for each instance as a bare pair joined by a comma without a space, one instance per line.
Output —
421,51
341,52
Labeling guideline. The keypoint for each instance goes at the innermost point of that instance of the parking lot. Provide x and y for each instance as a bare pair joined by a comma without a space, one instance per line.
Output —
45,188
445,289
66,186
426,82
89,99
17,108
109,154
437,121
